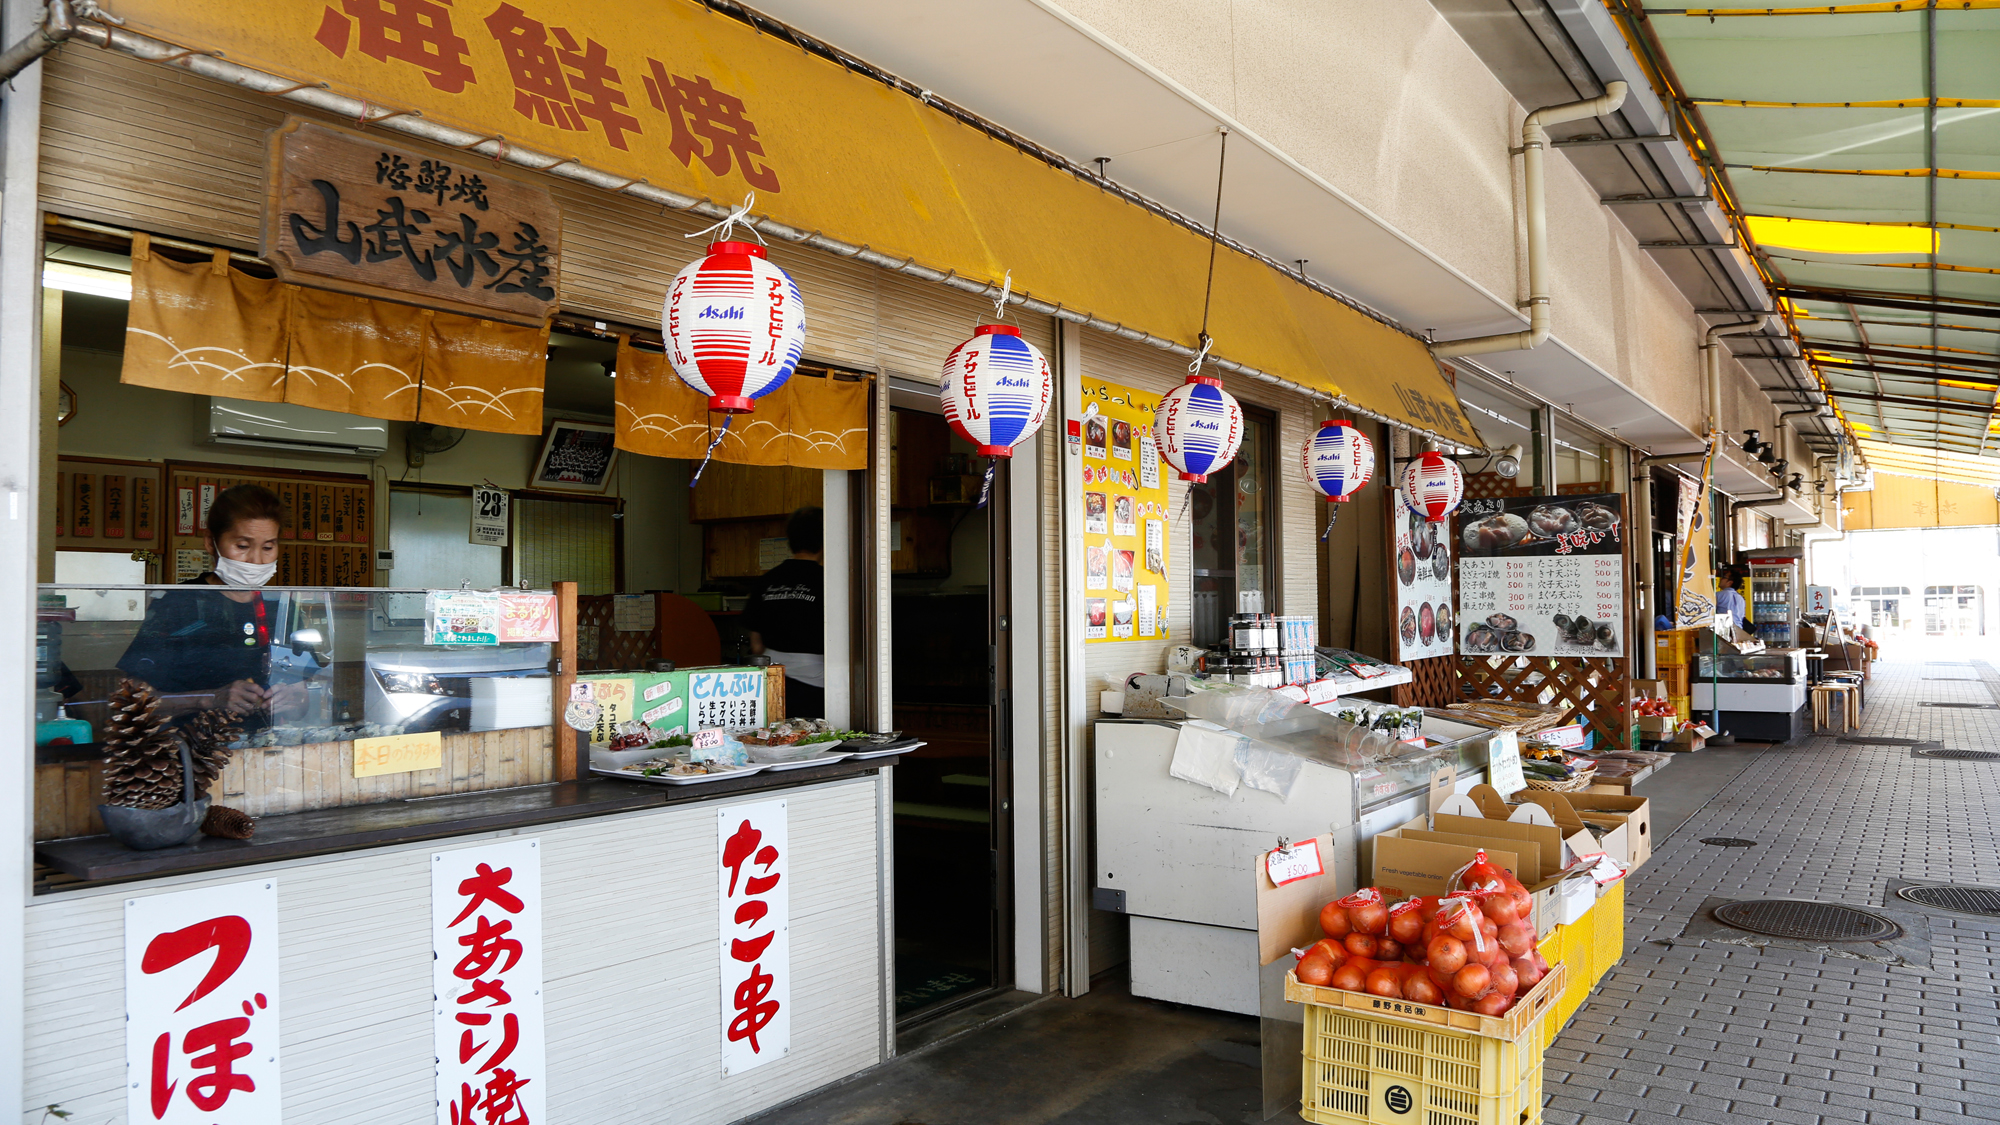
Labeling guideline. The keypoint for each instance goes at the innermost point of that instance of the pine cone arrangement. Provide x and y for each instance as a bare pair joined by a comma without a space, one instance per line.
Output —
142,755
230,824
208,734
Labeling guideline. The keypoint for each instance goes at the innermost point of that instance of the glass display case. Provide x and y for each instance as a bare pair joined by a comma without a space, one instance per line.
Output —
1775,600
1772,666
295,665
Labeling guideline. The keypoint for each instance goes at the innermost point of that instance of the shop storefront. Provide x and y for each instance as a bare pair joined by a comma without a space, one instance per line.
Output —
274,264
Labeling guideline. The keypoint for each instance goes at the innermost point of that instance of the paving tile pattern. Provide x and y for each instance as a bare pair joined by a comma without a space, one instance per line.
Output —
1727,1034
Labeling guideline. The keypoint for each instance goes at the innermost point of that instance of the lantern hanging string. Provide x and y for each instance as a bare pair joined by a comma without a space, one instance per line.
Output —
706,457
1006,291
739,215
1214,237
986,486
1331,516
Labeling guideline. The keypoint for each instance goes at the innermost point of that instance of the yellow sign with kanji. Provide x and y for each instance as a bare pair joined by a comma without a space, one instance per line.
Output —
682,97
1124,516
398,753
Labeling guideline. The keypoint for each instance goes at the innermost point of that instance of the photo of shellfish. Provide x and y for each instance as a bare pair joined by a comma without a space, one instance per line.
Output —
1495,532
1406,566
1551,520
1423,536
1479,638
1426,624
1409,626
1582,632
1597,517
1443,620
1501,622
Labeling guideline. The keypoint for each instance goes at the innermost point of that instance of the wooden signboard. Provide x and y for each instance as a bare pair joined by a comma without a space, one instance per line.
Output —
366,215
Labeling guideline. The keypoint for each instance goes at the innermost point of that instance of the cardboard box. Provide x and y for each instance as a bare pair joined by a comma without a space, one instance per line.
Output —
1689,739
1649,689
1629,838
1420,859
1658,727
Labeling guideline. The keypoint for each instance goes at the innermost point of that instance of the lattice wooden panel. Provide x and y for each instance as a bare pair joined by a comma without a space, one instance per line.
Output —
1493,486
1435,683
601,647
1591,689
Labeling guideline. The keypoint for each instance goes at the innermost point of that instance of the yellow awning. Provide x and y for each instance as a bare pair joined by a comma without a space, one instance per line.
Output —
702,104
1931,464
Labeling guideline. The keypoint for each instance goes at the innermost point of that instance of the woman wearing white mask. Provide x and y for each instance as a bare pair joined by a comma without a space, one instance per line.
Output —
204,649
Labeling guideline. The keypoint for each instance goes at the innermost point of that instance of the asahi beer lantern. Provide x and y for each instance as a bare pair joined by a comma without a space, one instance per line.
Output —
1200,427
734,326
1339,460
1433,486
996,389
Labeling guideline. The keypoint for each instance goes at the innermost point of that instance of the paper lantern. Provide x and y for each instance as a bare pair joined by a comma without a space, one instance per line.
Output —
996,389
1339,460
1200,426
734,326
1433,486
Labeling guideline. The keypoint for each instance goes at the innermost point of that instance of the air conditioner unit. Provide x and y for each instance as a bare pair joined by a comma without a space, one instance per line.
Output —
278,425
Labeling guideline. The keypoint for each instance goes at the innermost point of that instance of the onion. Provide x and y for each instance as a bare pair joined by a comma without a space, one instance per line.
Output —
1505,979
1461,924
1333,950
1406,924
1333,920
1473,980
1429,906
1315,969
1501,908
1386,981
1361,945
1445,955
1420,987
1388,949
1517,938
1493,1004
1524,901
1350,976
1372,918
1529,973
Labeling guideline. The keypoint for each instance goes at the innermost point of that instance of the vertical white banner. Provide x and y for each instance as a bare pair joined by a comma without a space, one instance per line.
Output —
756,945
486,932
201,1006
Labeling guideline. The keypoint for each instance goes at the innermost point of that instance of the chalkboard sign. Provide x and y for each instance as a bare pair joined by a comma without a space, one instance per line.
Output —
576,457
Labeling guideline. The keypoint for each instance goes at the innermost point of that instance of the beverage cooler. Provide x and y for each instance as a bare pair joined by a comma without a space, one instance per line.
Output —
1762,696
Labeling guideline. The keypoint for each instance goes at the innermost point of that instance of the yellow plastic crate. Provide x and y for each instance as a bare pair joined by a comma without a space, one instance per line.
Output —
1426,1064
1608,931
1553,948
1673,647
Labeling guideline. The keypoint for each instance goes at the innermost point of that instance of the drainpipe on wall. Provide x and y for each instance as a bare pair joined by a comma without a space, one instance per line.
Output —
1534,143
57,25
1712,350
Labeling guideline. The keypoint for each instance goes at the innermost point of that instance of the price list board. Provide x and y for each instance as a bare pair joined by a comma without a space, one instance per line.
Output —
1542,576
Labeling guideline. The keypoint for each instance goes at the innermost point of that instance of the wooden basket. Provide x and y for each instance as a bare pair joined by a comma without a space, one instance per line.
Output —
1575,784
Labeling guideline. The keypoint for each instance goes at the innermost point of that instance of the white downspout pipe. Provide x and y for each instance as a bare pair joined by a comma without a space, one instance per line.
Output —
1712,353
1534,142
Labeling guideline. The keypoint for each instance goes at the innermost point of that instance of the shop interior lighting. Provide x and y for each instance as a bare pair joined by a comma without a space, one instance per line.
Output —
1797,484
1778,469
1508,464
1766,453
73,278
610,369
1750,441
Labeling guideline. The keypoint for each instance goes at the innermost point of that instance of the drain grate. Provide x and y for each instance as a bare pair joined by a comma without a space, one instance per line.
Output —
1968,706
1952,679
1953,897
1729,842
1957,755
1884,740
1806,921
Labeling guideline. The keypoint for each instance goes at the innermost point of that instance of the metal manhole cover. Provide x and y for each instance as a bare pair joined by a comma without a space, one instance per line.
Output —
1969,706
1884,740
1959,899
1806,921
1957,755
1729,842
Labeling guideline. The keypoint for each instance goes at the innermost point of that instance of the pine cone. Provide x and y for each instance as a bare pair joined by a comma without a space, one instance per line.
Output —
228,823
142,756
208,734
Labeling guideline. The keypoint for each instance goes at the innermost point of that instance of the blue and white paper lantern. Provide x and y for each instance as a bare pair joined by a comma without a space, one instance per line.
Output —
1433,486
1339,460
1200,426
996,389
734,326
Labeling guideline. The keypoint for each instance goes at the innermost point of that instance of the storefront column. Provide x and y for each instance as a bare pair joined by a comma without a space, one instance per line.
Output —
1075,787
20,449
838,609
1024,720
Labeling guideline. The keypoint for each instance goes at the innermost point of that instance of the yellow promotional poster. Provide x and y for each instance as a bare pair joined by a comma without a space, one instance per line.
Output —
1124,516
1695,605
398,753
686,99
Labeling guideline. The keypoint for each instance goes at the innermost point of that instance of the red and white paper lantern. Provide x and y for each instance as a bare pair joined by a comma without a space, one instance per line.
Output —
996,389
1433,486
1339,460
734,326
1200,427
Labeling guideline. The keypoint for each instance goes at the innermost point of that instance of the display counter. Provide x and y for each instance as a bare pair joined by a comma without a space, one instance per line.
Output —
1762,696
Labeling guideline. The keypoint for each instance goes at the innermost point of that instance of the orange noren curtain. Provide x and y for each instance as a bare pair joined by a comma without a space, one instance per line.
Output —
810,423
355,355
484,375
204,328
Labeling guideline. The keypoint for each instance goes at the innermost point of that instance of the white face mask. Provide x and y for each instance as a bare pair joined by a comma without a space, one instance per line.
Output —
238,573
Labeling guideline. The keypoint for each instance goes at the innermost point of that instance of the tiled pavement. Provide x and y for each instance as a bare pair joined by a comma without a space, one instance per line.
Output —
1728,1034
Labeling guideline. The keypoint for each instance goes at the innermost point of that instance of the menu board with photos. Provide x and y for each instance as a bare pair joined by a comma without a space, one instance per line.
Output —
1423,585
324,535
1124,516
1542,575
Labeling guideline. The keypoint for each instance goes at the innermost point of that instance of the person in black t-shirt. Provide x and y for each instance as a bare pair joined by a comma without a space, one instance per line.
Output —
211,648
786,621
